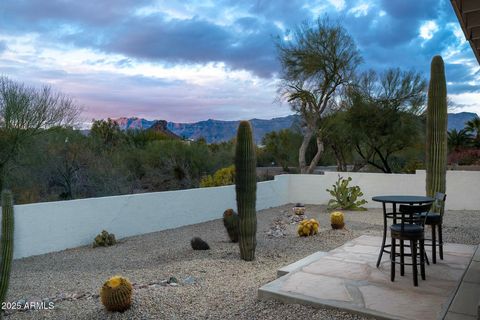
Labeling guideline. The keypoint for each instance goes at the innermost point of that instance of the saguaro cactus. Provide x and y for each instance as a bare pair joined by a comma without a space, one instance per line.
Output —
246,189
436,144
6,243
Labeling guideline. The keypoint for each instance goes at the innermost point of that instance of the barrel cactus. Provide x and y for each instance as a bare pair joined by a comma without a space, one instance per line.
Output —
308,227
116,294
337,220
6,243
246,189
436,143
198,244
230,221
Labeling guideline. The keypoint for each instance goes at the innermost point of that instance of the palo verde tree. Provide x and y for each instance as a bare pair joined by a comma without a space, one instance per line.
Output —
26,112
383,115
317,61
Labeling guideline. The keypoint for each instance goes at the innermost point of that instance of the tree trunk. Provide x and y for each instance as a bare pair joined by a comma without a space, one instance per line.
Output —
340,159
303,150
316,158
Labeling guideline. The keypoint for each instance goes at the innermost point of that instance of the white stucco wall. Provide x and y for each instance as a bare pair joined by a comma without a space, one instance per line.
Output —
463,187
54,226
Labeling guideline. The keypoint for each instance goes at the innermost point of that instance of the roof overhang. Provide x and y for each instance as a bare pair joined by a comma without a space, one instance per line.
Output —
468,14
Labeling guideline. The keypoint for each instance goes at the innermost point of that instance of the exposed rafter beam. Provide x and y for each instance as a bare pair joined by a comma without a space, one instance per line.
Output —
469,6
474,33
472,20
468,14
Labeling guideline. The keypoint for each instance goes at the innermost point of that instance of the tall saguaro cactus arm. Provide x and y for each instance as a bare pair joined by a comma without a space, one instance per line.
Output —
436,146
6,243
246,189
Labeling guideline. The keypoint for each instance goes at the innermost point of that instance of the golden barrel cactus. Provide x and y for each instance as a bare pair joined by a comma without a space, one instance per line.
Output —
337,220
307,227
116,294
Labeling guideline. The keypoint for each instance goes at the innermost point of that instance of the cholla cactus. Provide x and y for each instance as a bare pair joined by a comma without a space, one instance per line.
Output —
116,294
308,227
337,220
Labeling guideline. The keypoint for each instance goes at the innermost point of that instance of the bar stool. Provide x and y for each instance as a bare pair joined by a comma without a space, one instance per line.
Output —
435,220
411,228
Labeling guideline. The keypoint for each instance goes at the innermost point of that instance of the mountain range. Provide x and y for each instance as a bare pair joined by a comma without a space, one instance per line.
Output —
212,130
219,130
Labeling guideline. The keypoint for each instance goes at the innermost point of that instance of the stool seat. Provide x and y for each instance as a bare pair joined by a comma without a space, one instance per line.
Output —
431,217
412,229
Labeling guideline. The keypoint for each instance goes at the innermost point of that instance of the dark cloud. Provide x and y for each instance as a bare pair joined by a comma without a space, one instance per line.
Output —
411,9
38,14
237,33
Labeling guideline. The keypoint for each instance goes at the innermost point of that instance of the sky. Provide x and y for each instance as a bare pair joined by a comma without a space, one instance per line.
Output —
187,61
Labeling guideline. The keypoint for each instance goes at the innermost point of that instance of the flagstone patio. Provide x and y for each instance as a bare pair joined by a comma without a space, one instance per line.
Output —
346,278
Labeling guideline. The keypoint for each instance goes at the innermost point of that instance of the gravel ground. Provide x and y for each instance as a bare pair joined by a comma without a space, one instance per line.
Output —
214,284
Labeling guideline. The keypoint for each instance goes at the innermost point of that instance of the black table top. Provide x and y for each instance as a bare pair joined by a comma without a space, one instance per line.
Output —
403,199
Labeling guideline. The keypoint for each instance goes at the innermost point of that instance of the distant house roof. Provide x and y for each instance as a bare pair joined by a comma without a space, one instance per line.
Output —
468,13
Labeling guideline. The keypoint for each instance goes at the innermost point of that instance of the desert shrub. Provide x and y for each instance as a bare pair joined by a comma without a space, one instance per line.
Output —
222,177
104,239
345,197
465,157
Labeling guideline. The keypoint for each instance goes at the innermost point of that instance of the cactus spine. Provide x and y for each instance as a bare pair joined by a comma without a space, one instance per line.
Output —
436,144
6,242
246,189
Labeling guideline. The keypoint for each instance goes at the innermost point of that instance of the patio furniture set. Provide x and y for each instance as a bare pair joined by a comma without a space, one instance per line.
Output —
408,228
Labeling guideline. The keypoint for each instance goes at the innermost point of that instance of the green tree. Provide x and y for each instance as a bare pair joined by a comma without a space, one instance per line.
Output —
317,62
107,132
26,112
338,138
283,146
473,127
458,139
383,114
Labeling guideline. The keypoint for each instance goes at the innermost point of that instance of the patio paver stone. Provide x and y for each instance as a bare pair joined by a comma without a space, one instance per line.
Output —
346,278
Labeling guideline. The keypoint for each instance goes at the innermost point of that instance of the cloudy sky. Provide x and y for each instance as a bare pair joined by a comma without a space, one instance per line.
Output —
192,60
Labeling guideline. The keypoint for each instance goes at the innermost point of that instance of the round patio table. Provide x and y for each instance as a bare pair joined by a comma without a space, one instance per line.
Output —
394,200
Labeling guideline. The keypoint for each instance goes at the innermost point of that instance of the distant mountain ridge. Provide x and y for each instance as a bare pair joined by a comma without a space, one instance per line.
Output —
220,130
457,120
212,130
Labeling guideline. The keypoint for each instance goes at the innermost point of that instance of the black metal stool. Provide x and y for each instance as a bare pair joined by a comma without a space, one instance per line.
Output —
435,220
411,228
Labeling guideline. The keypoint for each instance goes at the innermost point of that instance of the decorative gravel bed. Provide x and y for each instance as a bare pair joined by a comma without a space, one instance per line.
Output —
214,284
